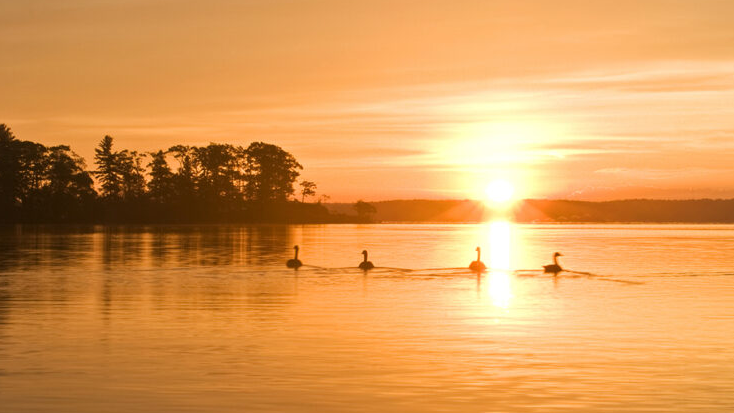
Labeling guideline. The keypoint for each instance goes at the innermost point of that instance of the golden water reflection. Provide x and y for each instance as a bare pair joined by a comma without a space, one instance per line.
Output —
208,318
499,245
500,283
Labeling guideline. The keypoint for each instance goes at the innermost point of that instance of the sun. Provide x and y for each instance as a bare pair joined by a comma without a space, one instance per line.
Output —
500,191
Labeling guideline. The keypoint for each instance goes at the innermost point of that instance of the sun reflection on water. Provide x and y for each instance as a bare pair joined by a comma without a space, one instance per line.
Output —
500,288
499,245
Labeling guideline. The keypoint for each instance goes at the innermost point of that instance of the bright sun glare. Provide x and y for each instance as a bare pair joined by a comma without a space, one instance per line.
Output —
500,191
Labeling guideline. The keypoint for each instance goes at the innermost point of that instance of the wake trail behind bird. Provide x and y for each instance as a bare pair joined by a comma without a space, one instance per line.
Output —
317,267
394,269
616,280
599,277
453,271
582,273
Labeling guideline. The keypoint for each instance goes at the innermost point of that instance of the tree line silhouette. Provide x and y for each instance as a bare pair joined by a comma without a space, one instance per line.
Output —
181,184
227,183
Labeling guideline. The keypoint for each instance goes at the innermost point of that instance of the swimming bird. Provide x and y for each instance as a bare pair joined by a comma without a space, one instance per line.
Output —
366,265
553,268
478,265
294,262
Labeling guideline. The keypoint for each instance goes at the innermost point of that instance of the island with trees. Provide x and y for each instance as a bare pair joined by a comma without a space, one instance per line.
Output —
217,183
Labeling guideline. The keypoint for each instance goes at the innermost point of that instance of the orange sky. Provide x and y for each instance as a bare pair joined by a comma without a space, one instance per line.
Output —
394,99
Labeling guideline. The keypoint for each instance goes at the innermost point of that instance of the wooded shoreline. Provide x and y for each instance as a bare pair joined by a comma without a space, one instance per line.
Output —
216,183
224,183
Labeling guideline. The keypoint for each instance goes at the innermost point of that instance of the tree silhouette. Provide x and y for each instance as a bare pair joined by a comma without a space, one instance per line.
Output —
22,167
308,188
67,174
69,187
161,185
32,161
270,172
41,184
9,173
219,172
130,169
184,182
108,171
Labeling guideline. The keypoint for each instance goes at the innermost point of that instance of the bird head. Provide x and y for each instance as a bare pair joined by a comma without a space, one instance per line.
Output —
558,254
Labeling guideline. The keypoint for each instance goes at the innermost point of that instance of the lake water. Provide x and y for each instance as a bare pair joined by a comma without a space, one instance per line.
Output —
208,319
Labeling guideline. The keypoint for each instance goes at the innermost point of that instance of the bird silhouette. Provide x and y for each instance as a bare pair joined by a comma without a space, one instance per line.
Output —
478,265
294,262
554,268
366,265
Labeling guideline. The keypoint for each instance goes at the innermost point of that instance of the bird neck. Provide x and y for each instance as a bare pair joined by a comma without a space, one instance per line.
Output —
365,256
555,259
479,255
296,253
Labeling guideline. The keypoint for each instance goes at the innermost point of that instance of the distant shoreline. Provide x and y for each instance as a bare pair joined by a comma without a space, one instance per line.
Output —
642,211
529,211
135,228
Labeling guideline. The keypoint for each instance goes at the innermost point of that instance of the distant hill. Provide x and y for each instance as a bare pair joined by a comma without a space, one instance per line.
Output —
537,210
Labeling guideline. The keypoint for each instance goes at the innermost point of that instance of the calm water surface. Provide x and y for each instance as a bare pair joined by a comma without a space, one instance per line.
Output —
195,319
